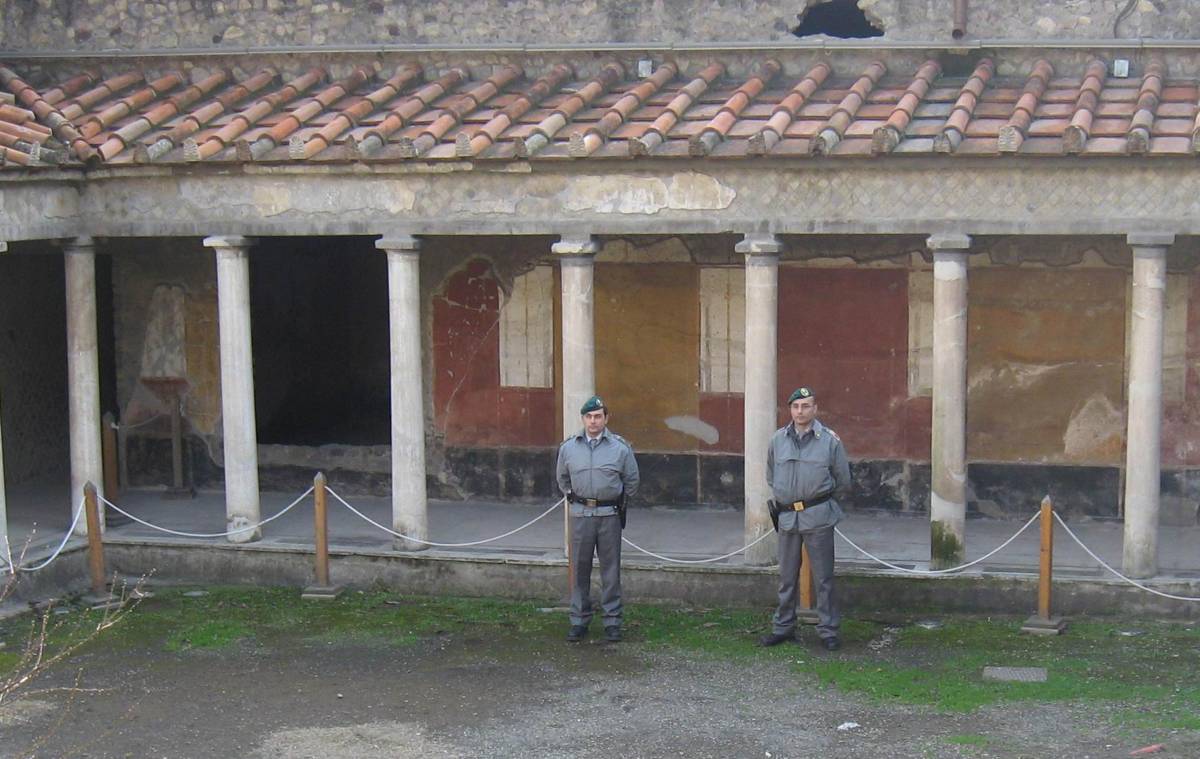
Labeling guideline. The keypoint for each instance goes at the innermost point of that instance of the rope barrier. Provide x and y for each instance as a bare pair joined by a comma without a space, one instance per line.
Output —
1104,564
225,534
157,415
14,567
959,568
390,531
757,540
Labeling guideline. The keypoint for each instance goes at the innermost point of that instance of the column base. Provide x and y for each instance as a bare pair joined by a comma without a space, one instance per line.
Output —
321,593
1036,625
403,544
249,536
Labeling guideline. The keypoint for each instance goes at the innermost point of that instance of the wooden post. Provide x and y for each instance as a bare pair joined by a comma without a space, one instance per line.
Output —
322,590
95,540
1042,623
108,447
806,614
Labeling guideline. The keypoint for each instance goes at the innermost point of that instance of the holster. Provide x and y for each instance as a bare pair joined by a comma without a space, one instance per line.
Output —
621,510
773,510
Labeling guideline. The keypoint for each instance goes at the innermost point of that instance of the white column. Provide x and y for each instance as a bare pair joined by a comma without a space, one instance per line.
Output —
237,386
761,398
83,371
4,552
576,256
1144,421
410,510
948,457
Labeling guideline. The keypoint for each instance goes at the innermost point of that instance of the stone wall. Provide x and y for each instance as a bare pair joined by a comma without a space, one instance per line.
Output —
33,363
94,25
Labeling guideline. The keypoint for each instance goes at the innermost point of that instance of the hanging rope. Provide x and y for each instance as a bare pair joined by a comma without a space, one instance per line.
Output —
1104,564
390,531
951,570
225,534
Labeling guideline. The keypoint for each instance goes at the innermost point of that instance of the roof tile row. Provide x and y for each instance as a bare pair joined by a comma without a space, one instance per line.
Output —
140,116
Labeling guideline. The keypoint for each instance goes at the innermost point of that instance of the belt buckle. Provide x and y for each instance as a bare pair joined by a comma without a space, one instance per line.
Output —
798,506
590,502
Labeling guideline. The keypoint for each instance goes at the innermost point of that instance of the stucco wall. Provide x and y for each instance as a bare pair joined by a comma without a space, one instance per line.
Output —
129,24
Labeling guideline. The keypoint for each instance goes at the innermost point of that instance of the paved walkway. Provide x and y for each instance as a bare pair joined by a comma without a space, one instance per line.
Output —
41,516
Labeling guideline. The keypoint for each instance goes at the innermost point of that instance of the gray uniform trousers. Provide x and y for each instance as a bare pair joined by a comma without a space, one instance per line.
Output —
820,553
600,536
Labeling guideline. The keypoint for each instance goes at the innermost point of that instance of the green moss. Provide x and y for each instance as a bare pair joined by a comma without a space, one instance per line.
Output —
968,740
945,549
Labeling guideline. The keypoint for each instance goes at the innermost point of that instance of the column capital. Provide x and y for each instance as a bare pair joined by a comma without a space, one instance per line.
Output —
1150,239
398,243
950,242
759,244
575,245
81,244
228,242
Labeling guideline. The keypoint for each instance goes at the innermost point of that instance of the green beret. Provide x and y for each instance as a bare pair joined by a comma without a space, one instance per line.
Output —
798,393
592,404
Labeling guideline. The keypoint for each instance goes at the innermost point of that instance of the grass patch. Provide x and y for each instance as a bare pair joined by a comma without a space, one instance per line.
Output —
968,740
1147,676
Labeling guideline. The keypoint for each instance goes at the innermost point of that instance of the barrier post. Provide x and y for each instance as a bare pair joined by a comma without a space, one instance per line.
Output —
1042,623
99,597
322,590
806,614
95,539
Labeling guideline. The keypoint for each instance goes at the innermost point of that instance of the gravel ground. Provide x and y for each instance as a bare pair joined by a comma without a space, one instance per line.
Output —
498,695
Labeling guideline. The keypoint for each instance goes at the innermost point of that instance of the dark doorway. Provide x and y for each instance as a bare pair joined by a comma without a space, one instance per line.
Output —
836,18
33,365
319,309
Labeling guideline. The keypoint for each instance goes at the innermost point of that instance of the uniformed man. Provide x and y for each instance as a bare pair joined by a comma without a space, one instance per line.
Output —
598,473
806,468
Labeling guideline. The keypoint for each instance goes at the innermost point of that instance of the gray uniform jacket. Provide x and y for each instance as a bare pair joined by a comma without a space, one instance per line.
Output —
802,467
601,472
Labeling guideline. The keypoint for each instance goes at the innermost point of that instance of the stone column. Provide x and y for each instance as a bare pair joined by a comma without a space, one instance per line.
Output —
3,494
1144,421
948,457
761,396
237,386
410,510
83,371
576,257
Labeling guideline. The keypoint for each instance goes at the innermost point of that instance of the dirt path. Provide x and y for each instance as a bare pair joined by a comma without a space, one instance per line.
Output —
494,695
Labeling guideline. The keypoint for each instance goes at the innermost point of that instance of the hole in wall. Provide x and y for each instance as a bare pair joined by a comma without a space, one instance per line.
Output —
836,18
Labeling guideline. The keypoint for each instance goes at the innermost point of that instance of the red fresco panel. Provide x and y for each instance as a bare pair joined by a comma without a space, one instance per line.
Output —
844,333
470,407
726,412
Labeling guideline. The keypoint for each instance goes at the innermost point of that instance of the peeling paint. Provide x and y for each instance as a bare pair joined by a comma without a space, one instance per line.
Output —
687,191
1094,429
697,428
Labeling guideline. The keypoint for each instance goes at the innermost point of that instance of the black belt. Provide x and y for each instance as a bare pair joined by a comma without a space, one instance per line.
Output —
592,503
802,505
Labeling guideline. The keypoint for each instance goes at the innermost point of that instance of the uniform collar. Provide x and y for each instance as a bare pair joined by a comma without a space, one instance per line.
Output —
584,436
816,429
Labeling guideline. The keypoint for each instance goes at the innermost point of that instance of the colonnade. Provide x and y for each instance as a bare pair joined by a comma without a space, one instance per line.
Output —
576,255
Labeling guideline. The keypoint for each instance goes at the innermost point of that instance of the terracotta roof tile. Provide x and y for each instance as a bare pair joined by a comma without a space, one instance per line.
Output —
1012,134
888,136
831,134
657,132
585,143
507,114
487,135
197,150
1076,134
964,107
564,111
